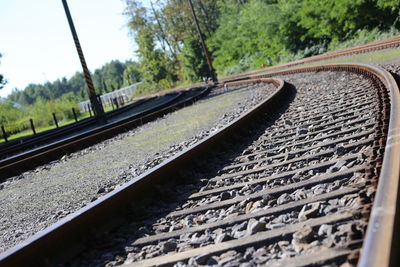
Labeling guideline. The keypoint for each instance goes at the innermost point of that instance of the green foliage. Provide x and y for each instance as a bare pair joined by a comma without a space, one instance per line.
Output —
39,101
364,36
16,119
194,66
260,32
337,20
248,34
106,79
392,6
131,74
2,80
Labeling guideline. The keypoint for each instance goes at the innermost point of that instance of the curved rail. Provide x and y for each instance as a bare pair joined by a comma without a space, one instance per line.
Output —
381,244
373,46
72,229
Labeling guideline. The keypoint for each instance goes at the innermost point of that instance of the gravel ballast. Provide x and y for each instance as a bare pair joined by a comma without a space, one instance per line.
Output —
292,168
36,199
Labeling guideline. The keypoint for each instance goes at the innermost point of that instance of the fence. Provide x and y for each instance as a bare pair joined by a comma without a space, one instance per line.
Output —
117,97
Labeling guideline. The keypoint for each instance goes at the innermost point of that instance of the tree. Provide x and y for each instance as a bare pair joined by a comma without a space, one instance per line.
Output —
131,74
2,80
154,64
194,66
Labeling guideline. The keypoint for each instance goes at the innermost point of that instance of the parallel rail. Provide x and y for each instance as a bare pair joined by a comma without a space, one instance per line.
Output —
381,233
77,140
392,42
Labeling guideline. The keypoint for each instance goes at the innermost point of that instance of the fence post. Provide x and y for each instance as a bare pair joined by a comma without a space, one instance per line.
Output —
112,103
4,133
75,117
32,126
55,119
116,102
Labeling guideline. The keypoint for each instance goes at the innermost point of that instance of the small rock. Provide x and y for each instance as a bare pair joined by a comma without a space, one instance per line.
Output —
288,122
255,226
169,246
239,227
337,166
199,260
283,244
211,261
304,235
101,190
249,206
248,255
309,211
340,150
300,131
257,188
325,229
283,199
259,204
225,195
221,238
175,227
162,229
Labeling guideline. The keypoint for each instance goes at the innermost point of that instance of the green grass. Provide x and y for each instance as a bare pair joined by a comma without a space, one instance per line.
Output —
371,57
375,57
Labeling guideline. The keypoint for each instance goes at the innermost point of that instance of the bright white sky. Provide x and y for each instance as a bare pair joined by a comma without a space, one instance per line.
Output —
37,45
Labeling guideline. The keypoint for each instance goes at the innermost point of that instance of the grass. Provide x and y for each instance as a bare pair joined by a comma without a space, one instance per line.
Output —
371,57
374,57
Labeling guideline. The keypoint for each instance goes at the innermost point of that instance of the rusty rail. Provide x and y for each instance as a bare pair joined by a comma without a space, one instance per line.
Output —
381,245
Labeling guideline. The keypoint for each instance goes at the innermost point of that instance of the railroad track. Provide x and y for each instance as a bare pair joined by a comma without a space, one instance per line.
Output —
307,177
20,157
390,43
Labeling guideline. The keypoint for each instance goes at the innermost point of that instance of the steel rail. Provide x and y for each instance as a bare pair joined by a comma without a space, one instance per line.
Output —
373,46
381,246
71,231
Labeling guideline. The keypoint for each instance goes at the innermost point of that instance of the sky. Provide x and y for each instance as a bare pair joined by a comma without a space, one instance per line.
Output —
37,45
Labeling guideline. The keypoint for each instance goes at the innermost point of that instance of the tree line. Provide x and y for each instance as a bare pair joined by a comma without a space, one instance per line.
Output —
111,76
247,34
40,101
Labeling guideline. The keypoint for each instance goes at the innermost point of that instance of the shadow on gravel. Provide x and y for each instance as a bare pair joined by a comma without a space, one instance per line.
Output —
142,218
396,77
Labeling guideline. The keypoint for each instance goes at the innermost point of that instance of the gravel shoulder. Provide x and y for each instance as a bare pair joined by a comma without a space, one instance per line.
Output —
36,199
